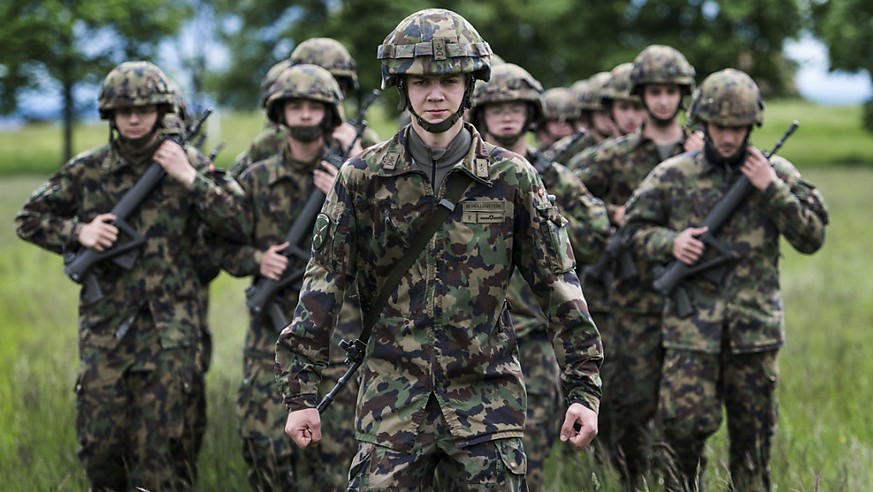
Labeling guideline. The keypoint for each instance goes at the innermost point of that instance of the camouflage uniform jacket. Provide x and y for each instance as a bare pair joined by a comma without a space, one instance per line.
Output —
588,228
747,302
587,141
164,277
446,330
612,171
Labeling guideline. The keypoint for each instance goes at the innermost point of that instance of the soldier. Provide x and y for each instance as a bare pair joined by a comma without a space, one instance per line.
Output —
441,392
306,100
599,125
724,353
560,113
137,344
329,54
504,109
660,76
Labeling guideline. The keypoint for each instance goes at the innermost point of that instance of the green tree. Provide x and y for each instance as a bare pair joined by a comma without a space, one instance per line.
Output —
73,42
846,28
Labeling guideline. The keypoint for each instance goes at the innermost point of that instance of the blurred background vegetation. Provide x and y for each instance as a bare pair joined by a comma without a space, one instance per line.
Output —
222,48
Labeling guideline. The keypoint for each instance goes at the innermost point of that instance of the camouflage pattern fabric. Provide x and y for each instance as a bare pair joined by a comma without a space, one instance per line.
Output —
448,322
612,171
135,83
590,139
561,104
330,54
740,315
471,467
696,387
588,227
162,283
434,42
276,191
660,64
748,301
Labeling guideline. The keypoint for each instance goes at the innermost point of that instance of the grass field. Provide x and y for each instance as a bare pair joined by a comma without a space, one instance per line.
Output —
825,438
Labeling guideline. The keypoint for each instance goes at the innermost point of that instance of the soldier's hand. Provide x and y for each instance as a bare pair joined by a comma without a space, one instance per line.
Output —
273,262
304,427
618,215
694,141
171,156
345,134
580,426
758,169
323,177
686,247
99,234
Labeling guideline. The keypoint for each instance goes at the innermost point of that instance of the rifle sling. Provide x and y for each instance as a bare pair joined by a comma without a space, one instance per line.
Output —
458,182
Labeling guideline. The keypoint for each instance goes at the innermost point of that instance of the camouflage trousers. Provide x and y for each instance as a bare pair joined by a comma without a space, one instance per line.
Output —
438,463
695,388
631,372
130,410
195,415
275,463
542,382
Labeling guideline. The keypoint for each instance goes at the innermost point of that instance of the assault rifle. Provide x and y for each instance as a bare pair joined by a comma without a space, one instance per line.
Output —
79,265
616,252
668,280
260,295
542,159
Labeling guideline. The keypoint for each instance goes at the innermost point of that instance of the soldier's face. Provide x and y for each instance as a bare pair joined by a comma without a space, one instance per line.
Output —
628,116
435,97
727,140
303,112
556,130
135,122
603,123
505,118
662,100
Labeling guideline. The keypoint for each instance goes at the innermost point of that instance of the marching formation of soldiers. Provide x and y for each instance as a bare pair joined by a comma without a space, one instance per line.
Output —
449,261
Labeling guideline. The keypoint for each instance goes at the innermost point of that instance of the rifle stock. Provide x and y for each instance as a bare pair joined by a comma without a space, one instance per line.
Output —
79,265
669,279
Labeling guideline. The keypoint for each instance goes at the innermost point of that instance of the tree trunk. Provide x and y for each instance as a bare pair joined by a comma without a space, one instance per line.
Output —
69,115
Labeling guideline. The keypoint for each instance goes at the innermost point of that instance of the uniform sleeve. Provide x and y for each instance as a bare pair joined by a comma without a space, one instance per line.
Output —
544,256
586,215
49,217
647,212
797,208
238,256
303,347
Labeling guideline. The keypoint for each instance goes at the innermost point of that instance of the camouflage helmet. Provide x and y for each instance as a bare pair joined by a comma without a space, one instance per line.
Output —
618,88
270,78
509,82
659,64
728,97
597,88
560,103
496,60
134,83
309,82
584,97
434,42
330,54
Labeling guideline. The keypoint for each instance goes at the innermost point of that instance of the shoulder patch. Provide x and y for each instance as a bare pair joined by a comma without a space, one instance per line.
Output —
320,231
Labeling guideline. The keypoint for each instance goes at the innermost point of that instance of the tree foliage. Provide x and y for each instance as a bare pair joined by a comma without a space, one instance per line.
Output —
71,42
846,28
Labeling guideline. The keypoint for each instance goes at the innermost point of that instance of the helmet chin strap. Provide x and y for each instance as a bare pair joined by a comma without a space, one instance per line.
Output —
447,123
